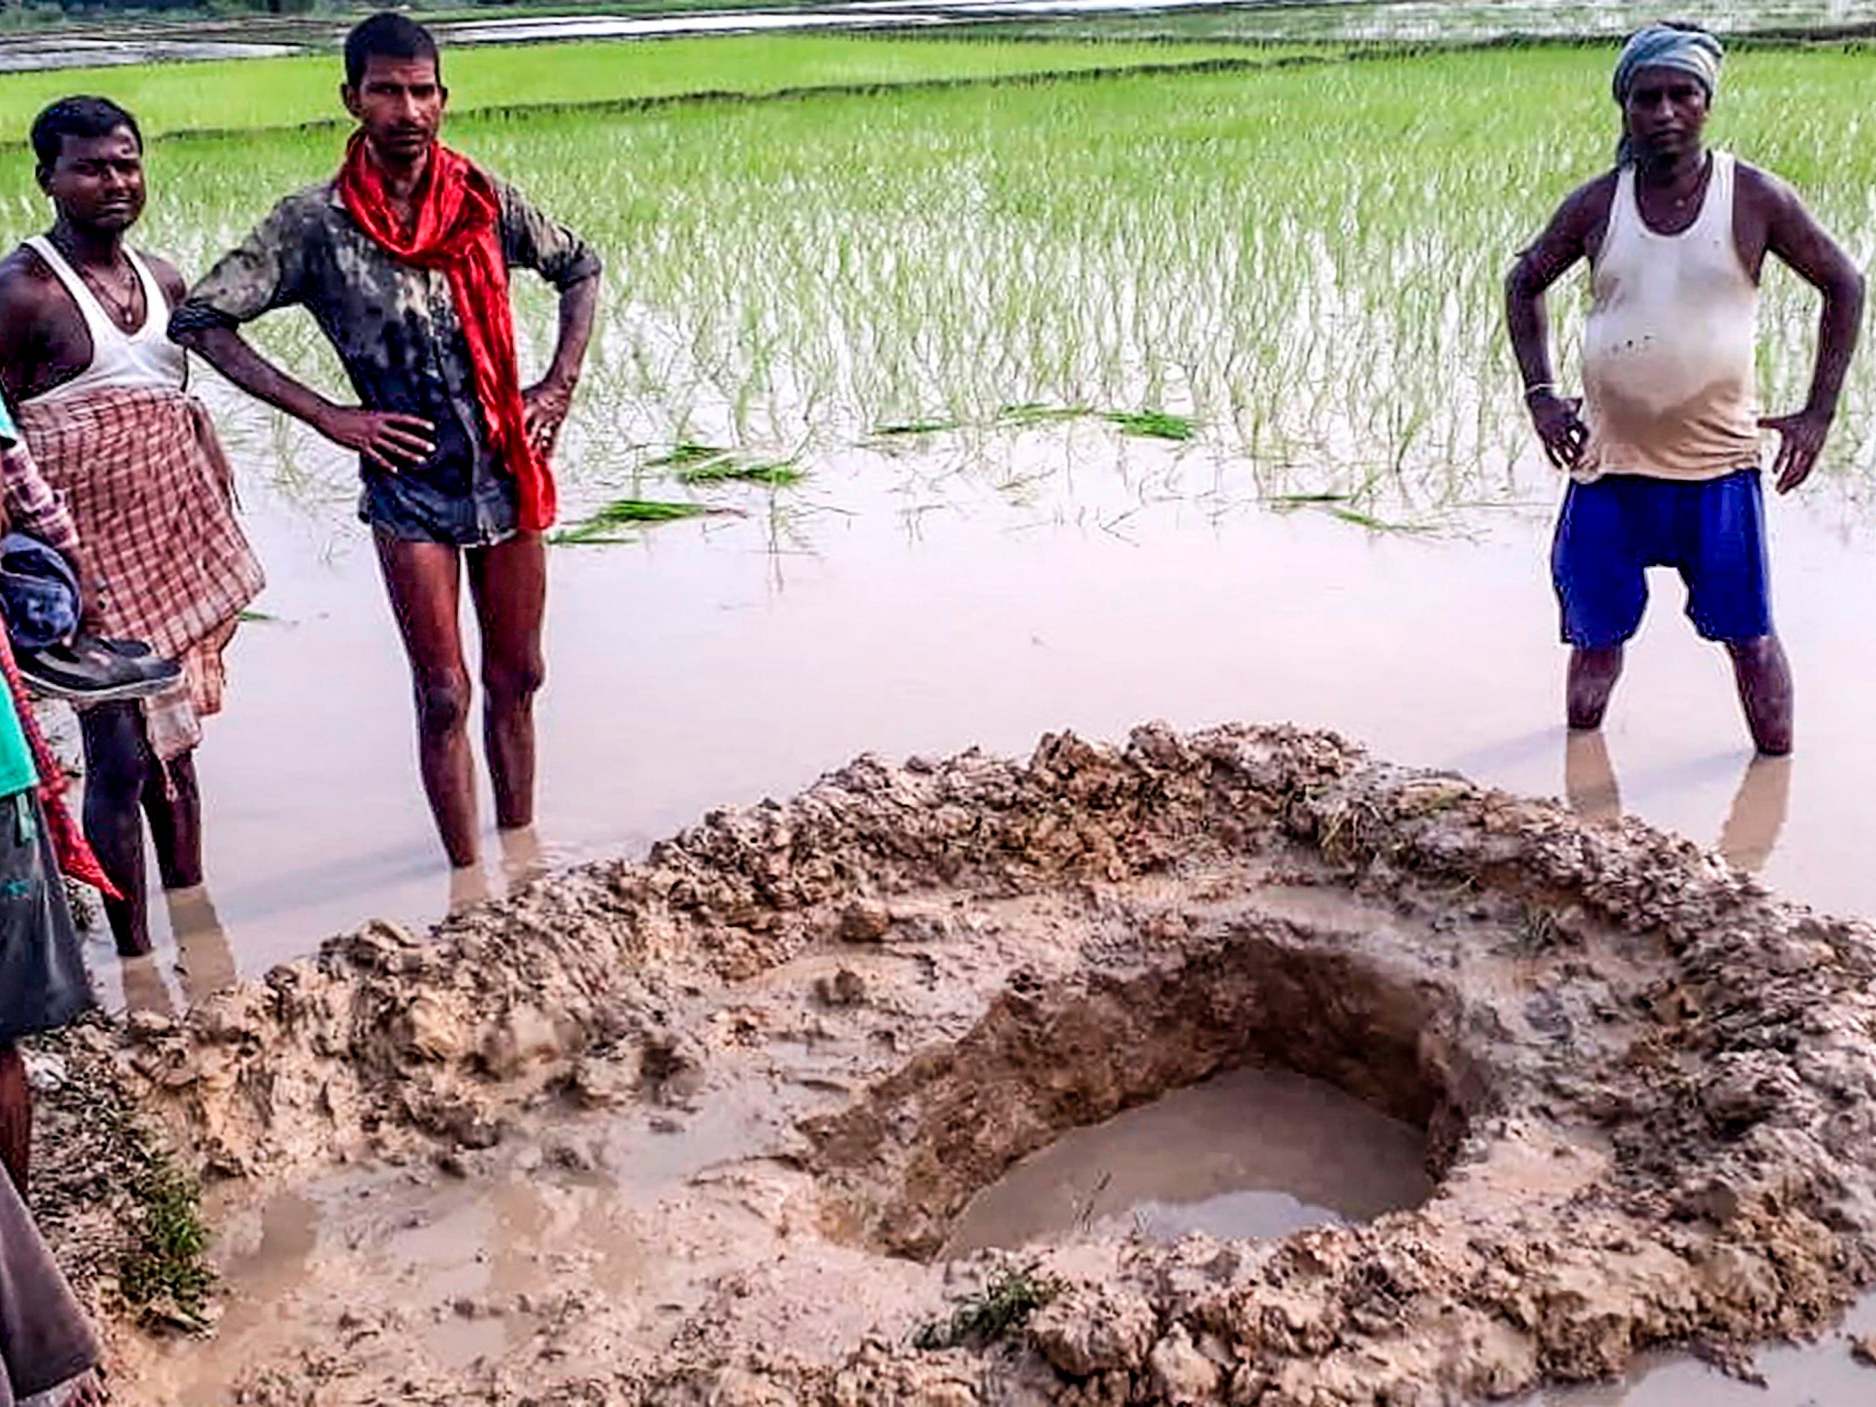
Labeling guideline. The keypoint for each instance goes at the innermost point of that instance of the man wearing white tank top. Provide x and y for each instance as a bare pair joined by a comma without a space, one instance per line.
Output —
100,394
1663,446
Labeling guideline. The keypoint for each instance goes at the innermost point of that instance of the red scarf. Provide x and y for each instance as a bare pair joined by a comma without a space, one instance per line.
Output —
458,230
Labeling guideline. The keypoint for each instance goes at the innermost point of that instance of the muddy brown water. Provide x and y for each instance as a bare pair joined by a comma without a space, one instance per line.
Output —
1244,1154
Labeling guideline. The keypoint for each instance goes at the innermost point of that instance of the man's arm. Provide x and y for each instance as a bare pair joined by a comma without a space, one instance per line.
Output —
1565,240
385,438
531,240
264,272
548,400
22,313
1795,236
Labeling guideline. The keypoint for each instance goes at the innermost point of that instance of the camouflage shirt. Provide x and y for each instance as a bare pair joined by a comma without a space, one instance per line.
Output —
395,329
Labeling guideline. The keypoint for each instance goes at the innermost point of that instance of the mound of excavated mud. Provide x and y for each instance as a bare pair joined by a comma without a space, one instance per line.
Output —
783,1053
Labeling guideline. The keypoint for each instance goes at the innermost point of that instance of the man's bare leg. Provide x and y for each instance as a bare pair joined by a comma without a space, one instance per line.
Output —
172,804
509,584
16,1116
1592,680
118,765
424,582
1765,691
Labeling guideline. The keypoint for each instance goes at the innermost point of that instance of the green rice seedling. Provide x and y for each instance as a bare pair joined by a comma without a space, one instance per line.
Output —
1152,424
1329,311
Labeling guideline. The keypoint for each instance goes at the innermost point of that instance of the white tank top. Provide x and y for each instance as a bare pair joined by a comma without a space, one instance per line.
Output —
144,359
1670,389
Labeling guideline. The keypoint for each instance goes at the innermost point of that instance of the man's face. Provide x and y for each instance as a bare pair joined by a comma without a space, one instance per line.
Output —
1666,112
97,182
399,104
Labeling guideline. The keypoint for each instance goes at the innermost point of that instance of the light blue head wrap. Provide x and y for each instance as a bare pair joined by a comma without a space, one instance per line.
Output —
1691,51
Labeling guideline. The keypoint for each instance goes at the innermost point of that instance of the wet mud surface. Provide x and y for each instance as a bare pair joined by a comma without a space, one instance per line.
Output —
697,1129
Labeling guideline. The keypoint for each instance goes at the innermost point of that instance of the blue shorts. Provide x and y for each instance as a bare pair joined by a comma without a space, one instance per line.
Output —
1712,531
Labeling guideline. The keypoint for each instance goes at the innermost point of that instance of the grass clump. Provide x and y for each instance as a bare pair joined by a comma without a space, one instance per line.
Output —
162,1275
1004,1304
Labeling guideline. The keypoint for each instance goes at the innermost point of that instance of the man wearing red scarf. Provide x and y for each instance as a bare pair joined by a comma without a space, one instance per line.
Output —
403,260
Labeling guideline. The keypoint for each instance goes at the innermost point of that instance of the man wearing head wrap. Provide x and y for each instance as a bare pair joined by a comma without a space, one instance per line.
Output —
1663,445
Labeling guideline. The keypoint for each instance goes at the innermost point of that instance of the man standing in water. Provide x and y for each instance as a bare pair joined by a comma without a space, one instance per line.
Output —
102,401
1664,459
403,259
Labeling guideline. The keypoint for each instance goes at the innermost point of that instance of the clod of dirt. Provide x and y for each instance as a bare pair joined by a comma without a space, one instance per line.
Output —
1646,1086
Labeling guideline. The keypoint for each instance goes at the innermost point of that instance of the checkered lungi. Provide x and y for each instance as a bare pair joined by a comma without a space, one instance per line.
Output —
152,495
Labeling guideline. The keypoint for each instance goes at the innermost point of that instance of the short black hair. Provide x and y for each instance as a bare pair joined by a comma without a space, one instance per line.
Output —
80,116
387,36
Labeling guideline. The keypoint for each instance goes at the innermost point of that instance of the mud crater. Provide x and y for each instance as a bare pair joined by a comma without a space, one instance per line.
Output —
1048,1057
793,1043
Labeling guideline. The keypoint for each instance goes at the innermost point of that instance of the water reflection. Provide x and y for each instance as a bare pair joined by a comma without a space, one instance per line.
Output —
205,961
1753,825
1758,816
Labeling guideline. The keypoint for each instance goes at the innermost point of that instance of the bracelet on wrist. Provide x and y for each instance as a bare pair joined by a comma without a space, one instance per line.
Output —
1541,388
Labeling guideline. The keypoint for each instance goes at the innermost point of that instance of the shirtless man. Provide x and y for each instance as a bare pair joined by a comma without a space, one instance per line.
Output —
403,259
100,396
1664,456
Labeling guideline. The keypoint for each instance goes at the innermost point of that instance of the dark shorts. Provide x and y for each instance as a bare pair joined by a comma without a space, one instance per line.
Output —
413,510
1711,531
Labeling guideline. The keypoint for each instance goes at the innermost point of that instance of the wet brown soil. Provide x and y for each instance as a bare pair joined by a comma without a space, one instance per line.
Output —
696,1130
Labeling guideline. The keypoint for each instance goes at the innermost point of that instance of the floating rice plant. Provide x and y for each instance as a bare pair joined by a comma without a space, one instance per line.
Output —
778,473
1152,424
603,525
898,428
1030,413
686,456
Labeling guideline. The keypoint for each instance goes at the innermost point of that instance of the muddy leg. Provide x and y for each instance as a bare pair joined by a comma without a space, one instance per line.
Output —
117,768
1592,680
509,584
424,584
1765,691
172,803
16,1116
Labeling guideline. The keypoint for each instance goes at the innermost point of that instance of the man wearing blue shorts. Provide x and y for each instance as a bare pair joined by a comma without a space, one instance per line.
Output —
1663,446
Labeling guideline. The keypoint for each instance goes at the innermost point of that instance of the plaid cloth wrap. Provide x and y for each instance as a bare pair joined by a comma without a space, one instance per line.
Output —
153,498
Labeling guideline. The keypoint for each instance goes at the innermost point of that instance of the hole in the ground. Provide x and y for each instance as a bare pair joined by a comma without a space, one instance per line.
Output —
1262,998
1247,1153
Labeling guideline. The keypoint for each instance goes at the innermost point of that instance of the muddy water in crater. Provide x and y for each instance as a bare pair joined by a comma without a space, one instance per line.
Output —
1243,1154
724,661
